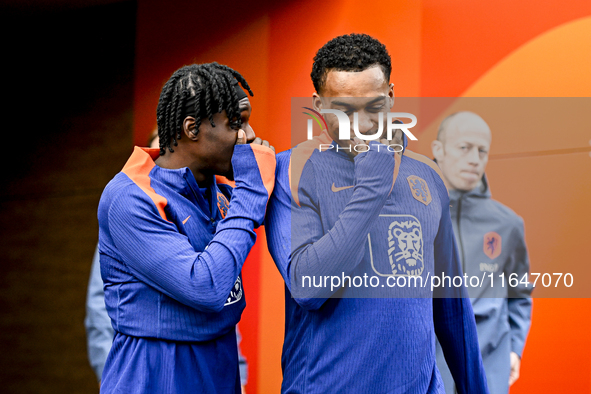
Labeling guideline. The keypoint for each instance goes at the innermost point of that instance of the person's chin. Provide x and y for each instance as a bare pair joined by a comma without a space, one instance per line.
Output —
470,177
467,186
462,184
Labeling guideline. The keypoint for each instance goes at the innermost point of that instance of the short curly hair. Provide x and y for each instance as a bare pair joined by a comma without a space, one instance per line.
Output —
349,52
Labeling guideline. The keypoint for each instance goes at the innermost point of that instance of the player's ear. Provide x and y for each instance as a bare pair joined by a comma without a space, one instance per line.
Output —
316,102
437,149
189,128
391,95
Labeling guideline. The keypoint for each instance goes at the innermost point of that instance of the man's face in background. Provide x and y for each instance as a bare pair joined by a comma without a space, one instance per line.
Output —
462,150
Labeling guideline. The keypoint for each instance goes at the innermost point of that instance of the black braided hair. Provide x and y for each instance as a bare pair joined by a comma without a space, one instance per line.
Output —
349,52
210,86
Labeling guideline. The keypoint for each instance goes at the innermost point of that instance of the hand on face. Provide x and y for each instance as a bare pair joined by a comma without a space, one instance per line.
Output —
246,133
258,141
396,143
362,96
241,140
241,137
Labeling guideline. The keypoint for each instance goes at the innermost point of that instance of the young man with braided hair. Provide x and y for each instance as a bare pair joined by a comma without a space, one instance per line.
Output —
338,214
172,241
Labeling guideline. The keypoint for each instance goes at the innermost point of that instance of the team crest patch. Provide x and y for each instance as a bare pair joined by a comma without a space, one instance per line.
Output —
492,245
235,293
405,247
223,204
419,189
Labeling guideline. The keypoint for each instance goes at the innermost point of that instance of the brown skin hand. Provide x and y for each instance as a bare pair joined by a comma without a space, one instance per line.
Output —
245,112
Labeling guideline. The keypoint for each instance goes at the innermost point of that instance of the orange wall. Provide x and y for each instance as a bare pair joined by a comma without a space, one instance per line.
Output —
446,49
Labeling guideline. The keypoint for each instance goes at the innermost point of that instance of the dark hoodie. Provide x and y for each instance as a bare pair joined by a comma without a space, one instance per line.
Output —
490,239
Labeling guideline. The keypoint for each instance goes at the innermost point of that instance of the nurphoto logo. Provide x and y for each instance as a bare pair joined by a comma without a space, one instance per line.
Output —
345,126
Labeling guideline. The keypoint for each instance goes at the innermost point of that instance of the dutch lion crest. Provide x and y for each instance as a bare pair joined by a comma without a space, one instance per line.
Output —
405,247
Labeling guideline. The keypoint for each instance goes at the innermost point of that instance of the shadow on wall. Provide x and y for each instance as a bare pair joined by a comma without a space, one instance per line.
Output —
69,131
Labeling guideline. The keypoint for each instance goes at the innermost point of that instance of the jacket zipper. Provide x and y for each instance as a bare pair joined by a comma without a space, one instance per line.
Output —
461,245
196,197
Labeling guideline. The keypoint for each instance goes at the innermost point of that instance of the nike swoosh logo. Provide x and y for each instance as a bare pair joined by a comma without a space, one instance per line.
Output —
338,189
185,221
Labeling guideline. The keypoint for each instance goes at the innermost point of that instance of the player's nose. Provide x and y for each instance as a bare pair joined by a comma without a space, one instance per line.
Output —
473,156
364,123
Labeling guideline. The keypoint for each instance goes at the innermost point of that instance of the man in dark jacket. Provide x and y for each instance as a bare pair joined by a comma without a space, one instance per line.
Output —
491,242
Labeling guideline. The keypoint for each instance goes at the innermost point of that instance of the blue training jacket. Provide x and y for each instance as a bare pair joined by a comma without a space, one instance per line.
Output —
491,241
171,264
345,217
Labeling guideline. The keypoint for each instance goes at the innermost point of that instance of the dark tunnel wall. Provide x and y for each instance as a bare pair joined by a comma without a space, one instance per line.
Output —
67,130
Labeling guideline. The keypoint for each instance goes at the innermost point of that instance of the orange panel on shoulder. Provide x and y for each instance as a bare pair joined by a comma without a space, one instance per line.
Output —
225,181
266,161
138,168
153,152
299,156
397,161
424,159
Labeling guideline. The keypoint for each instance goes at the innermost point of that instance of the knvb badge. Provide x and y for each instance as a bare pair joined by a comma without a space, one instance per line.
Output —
492,245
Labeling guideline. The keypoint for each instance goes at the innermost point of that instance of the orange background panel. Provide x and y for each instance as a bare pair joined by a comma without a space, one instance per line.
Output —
554,64
462,39
556,356
557,233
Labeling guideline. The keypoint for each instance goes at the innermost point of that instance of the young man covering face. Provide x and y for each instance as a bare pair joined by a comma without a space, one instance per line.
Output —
341,212
172,241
